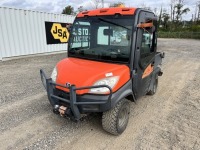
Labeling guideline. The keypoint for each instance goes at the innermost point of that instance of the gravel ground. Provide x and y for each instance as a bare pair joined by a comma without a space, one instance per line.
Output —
168,120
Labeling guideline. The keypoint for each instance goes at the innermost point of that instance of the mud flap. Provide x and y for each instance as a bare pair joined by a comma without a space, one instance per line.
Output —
156,72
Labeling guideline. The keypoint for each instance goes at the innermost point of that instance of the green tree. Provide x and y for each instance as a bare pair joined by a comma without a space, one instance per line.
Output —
180,11
172,9
165,18
69,10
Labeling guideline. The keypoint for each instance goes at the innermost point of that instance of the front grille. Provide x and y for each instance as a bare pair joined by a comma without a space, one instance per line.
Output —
62,94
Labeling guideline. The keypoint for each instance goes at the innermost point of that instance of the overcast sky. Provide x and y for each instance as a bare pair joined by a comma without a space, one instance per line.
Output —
56,6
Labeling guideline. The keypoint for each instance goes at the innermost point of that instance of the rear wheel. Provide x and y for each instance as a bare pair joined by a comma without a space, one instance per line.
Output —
115,120
154,89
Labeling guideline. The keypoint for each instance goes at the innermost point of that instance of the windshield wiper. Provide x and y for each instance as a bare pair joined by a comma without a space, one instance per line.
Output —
105,20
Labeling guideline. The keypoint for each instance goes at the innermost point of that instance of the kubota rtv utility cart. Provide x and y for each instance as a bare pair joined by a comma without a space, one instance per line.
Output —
112,59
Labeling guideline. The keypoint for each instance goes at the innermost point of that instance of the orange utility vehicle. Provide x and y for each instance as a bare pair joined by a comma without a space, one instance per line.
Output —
112,59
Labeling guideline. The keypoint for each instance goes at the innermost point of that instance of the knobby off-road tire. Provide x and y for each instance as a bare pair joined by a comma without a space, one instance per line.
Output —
115,120
155,85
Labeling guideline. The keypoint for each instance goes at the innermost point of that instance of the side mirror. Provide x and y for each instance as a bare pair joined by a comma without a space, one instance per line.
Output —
108,32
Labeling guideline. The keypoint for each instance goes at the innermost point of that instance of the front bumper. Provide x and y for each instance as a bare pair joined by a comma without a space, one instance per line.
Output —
75,104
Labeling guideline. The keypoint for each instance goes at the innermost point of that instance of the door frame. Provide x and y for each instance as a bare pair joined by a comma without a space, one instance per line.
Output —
140,85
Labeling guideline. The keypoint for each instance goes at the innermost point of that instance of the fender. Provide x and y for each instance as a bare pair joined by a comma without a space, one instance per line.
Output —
125,91
157,72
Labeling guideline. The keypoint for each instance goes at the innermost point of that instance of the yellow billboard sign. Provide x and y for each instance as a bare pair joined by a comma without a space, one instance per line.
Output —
59,32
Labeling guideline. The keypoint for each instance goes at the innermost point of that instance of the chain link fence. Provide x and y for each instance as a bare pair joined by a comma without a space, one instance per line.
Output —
183,35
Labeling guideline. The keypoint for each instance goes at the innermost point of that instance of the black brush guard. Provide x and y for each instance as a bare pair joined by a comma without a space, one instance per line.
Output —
72,101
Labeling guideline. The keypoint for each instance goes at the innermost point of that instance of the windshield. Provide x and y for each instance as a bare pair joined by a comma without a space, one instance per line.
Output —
105,38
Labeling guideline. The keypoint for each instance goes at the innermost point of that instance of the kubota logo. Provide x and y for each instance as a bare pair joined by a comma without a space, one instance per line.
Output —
59,32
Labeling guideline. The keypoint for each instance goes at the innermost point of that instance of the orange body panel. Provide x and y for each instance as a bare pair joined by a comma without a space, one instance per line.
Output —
82,72
108,11
145,25
147,71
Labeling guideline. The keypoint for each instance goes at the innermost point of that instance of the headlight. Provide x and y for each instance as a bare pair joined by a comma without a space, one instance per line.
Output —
54,74
111,81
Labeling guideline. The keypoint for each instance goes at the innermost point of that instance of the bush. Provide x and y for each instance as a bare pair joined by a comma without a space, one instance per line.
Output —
185,35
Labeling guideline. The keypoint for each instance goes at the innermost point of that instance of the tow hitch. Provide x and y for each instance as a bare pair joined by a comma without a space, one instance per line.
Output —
62,110
67,113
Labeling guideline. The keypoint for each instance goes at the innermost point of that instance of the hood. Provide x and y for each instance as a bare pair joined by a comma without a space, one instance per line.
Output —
81,72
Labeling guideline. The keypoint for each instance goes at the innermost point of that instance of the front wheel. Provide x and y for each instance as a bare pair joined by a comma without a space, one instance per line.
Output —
115,120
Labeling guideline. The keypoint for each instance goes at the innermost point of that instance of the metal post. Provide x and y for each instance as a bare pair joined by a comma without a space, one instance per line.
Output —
73,105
